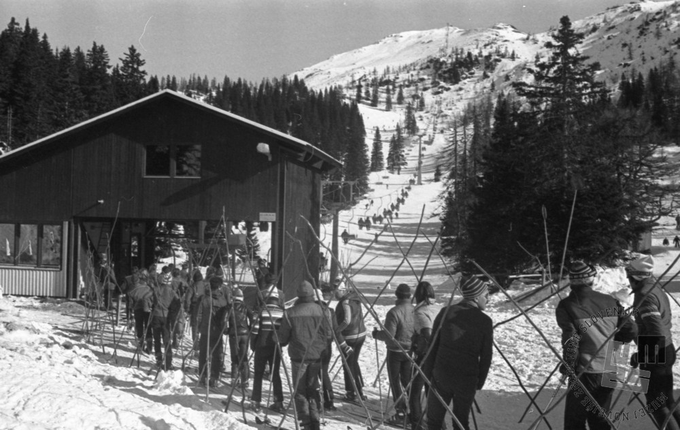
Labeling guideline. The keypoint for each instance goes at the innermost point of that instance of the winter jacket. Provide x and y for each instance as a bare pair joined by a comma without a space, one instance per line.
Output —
240,319
305,329
166,304
423,318
398,325
350,317
141,296
462,348
268,320
261,277
653,317
212,312
195,294
179,286
587,318
330,316
424,315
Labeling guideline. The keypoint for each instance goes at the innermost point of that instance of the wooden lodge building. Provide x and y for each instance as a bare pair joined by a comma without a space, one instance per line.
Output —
105,184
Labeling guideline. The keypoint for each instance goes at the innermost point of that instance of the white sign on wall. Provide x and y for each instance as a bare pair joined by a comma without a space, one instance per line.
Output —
267,216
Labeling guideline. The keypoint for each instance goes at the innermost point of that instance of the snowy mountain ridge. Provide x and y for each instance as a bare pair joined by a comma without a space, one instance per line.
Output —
622,38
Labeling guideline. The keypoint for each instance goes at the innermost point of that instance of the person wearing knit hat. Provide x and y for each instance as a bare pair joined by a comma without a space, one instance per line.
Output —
326,383
397,336
656,351
263,276
589,320
306,330
424,313
166,305
350,316
267,353
460,355
211,312
581,273
640,267
238,323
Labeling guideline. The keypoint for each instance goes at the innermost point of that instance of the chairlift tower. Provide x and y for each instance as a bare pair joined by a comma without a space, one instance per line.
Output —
420,159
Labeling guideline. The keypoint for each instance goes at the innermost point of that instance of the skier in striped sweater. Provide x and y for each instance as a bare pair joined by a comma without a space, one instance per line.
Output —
656,351
267,351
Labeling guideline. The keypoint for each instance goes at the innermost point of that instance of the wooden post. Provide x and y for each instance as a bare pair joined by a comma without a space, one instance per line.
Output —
420,159
120,302
334,245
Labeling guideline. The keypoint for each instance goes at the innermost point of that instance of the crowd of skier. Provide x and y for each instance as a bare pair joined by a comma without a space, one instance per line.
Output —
436,355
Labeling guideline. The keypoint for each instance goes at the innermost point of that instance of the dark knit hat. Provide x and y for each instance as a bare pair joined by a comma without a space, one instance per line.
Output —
305,289
472,287
581,273
403,291
215,282
641,267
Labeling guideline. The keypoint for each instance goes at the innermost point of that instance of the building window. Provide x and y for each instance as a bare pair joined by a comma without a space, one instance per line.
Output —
172,161
7,236
32,245
157,160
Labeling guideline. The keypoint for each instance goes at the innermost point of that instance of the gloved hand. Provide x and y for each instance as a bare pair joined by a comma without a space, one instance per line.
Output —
346,349
634,360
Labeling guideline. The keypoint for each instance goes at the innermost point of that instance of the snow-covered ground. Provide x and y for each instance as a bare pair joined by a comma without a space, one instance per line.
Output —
54,378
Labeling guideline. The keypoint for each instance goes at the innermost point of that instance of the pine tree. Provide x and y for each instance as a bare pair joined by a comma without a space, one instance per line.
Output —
410,123
388,99
10,45
96,82
70,109
30,96
375,96
571,147
377,163
356,163
131,83
400,95
392,158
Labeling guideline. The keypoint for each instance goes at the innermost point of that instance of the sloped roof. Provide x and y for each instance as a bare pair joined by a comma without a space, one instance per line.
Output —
307,152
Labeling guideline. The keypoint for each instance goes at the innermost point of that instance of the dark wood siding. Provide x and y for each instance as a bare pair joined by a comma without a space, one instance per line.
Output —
36,187
301,200
65,176
106,163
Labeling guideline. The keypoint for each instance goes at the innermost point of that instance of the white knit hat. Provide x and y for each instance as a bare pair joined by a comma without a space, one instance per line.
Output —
641,267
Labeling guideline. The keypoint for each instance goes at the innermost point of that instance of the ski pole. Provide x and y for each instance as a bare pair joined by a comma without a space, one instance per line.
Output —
377,360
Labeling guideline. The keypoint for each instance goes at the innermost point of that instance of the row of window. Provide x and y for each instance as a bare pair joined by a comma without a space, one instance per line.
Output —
174,161
31,245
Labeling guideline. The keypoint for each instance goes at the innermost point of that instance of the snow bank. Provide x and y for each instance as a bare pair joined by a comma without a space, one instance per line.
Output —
53,380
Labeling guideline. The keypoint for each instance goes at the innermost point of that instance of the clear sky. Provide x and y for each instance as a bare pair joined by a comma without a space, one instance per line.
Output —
254,39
